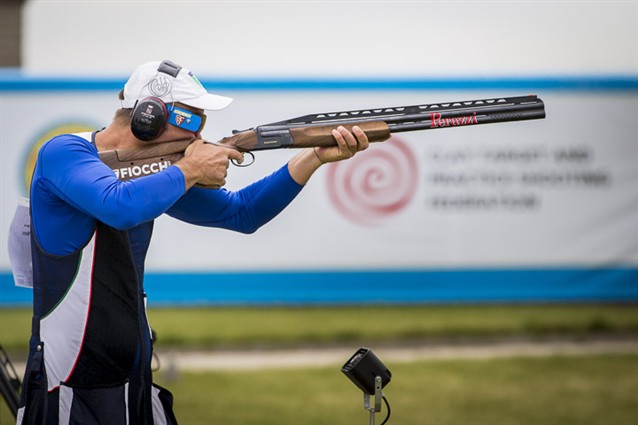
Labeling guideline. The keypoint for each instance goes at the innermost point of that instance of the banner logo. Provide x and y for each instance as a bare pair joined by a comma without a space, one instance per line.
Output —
376,184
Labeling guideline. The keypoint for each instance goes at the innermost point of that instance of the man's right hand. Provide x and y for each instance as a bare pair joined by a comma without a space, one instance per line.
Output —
207,164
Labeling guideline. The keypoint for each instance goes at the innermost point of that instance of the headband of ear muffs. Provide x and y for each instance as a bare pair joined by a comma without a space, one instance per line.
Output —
150,115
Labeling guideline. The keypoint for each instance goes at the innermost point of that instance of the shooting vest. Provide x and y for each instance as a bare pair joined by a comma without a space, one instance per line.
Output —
90,349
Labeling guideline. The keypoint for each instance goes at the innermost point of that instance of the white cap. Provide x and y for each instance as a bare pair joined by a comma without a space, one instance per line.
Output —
170,83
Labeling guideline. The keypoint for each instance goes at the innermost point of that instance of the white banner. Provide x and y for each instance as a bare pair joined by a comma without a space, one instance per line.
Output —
562,191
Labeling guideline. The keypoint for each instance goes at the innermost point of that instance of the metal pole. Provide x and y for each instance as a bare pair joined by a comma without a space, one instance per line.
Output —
378,396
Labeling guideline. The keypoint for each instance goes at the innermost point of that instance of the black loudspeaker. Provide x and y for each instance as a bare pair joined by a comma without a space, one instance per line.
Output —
363,368
149,119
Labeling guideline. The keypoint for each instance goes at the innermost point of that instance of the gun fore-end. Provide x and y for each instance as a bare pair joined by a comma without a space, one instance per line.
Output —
320,136
278,137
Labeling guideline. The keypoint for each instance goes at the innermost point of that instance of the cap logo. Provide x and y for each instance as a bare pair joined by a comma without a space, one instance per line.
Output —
159,86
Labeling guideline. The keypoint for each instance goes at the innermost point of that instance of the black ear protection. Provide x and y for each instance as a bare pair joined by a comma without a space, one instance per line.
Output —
150,115
148,119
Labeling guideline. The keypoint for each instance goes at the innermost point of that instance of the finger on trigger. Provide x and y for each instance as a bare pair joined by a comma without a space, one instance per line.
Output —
236,155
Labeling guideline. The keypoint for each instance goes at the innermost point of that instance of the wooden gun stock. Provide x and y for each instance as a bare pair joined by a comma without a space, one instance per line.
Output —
149,159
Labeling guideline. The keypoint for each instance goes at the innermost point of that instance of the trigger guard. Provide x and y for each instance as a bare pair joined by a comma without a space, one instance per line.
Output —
243,163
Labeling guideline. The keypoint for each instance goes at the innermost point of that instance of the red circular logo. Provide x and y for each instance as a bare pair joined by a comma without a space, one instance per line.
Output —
377,183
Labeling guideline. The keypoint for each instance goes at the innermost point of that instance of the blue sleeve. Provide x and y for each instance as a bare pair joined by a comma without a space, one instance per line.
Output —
69,168
245,210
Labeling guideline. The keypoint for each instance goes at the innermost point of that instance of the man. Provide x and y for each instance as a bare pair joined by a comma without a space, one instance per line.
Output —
90,349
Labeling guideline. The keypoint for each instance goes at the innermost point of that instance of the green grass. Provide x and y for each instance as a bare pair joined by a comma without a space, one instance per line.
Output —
537,391
570,390
546,391
216,327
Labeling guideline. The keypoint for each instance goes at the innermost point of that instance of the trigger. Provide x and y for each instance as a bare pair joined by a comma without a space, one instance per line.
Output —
243,163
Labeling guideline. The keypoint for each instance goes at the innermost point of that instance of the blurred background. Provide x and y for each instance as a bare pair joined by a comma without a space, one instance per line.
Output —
494,269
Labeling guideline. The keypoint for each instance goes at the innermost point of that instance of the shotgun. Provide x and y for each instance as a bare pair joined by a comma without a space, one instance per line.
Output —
315,130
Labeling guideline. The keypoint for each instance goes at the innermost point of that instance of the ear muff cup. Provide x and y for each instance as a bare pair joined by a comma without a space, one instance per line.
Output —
149,119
